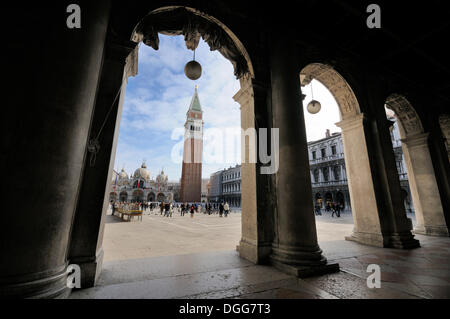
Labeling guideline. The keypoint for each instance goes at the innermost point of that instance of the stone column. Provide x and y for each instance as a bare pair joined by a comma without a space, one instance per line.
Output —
49,145
367,229
255,244
87,233
378,212
295,249
424,190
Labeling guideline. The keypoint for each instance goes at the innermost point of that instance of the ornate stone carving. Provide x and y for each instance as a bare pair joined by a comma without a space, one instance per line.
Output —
335,83
192,25
406,114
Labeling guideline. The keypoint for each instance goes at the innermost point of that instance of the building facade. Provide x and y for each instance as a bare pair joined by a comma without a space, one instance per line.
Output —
225,186
329,175
191,175
139,187
231,186
215,187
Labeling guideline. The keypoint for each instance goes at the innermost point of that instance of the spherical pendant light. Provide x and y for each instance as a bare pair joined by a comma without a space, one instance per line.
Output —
314,107
193,69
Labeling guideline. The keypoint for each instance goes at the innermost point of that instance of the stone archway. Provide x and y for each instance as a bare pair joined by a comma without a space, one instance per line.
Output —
138,195
366,215
421,175
193,25
151,197
119,63
160,197
123,196
340,199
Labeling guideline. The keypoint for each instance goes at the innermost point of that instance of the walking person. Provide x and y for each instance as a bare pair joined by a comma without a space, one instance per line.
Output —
221,209
161,207
167,209
226,208
333,210
338,210
192,209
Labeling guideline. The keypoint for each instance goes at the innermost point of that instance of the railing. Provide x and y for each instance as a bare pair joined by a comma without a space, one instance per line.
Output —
326,159
330,183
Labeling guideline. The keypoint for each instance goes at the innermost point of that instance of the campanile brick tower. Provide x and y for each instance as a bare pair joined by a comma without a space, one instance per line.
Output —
191,175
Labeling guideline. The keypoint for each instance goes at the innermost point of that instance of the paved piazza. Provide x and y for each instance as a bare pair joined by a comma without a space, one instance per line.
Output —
181,257
157,235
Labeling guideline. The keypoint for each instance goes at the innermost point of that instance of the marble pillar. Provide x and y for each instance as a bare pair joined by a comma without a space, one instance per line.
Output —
295,249
424,190
64,71
255,244
87,233
367,228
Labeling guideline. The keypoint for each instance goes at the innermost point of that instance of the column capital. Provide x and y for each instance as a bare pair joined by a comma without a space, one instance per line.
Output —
416,140
351,123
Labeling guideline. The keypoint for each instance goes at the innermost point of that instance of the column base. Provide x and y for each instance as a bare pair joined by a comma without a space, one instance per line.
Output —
305,271
439,231
404,240
44,285
299,256
369,239
257,253
90,269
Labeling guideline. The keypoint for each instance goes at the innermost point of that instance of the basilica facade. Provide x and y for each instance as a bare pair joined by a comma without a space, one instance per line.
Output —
139,187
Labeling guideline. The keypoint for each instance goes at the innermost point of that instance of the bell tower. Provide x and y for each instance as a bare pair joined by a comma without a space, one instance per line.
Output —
191,174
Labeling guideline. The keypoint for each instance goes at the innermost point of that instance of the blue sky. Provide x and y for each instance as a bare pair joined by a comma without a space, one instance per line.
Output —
158,98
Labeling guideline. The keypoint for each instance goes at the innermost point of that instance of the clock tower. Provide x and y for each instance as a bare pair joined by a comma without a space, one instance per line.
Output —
191,174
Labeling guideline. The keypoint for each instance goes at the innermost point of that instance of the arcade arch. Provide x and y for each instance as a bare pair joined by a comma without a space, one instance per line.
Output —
367,228
422,180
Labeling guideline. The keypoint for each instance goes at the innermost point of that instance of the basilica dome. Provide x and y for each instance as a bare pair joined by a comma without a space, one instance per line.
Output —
162,178
123,177
142,172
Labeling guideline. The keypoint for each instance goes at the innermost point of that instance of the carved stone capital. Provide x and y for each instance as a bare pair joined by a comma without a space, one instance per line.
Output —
417,140
352,123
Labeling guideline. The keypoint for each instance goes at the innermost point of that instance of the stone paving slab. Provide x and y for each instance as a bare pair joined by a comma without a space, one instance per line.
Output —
212,272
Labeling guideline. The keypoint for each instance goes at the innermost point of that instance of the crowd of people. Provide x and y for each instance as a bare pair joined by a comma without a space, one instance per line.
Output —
334,208
167,209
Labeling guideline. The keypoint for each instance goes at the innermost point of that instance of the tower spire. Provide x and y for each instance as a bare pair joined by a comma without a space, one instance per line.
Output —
195,102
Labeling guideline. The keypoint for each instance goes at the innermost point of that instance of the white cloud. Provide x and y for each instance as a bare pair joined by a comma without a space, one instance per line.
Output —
158,98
